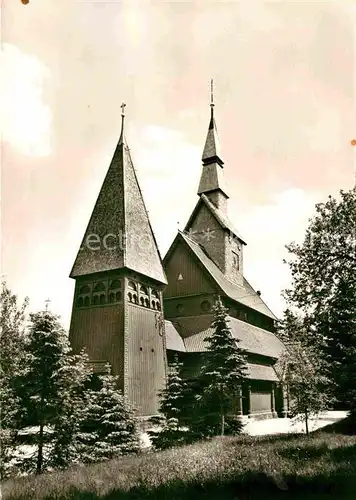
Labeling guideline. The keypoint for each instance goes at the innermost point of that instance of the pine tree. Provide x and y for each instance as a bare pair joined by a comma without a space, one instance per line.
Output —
12,331
224,370
74,377
50,378
172,411
108,427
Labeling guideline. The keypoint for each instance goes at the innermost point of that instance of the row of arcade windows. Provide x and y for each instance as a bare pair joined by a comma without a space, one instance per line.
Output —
102,293
141,295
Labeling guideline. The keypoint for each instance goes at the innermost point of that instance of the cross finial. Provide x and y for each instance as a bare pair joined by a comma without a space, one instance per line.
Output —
47,301
121,140
211,92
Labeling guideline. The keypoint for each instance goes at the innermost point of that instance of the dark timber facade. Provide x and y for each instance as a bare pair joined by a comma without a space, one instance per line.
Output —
122,288
118,309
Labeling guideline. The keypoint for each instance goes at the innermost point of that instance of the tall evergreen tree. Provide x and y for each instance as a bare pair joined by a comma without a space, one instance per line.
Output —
12,332
74,376
223,371
108,426
171,422
50,378
323,287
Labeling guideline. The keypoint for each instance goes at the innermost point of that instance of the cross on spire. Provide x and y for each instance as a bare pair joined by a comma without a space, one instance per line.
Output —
121,140
47,301
211,93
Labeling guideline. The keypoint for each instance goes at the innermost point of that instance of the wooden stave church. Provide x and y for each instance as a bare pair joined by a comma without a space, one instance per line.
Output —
135,311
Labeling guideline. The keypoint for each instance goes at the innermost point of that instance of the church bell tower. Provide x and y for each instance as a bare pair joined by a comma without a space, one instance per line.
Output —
117,310
209,225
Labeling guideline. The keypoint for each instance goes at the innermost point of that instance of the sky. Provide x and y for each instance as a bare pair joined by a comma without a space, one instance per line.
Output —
284,76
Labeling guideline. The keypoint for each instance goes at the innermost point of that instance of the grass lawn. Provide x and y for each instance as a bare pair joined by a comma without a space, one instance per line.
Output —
321,466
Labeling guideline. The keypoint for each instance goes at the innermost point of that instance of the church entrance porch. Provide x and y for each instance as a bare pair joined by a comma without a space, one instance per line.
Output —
259,400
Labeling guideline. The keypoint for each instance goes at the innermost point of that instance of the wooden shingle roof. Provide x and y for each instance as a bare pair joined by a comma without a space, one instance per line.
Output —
253,339
220,217
174,341
119,233
211,152
243,294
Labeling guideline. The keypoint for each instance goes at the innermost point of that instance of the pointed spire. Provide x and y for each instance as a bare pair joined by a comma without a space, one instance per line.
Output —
211,179
211,153
119,230
122,135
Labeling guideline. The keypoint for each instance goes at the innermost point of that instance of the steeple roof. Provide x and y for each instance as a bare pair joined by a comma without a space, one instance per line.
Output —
119,234
212,178
211,152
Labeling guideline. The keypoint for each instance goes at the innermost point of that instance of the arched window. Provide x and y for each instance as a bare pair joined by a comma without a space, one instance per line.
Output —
153,304
142,301
80,302
111,297
147,302
102,299
118,296
235,260
86,301
130,296
143,290
155,294
95,300
158,305
135,299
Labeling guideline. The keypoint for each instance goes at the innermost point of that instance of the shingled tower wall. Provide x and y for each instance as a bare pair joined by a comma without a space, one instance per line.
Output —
117,309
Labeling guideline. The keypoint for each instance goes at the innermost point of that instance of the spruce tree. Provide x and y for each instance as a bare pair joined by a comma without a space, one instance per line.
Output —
50,378
73,379
172,411
223,371
108,426
12,331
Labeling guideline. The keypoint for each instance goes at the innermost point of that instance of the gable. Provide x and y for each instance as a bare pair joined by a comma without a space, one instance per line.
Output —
182,262
242,294
202,219
217,217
